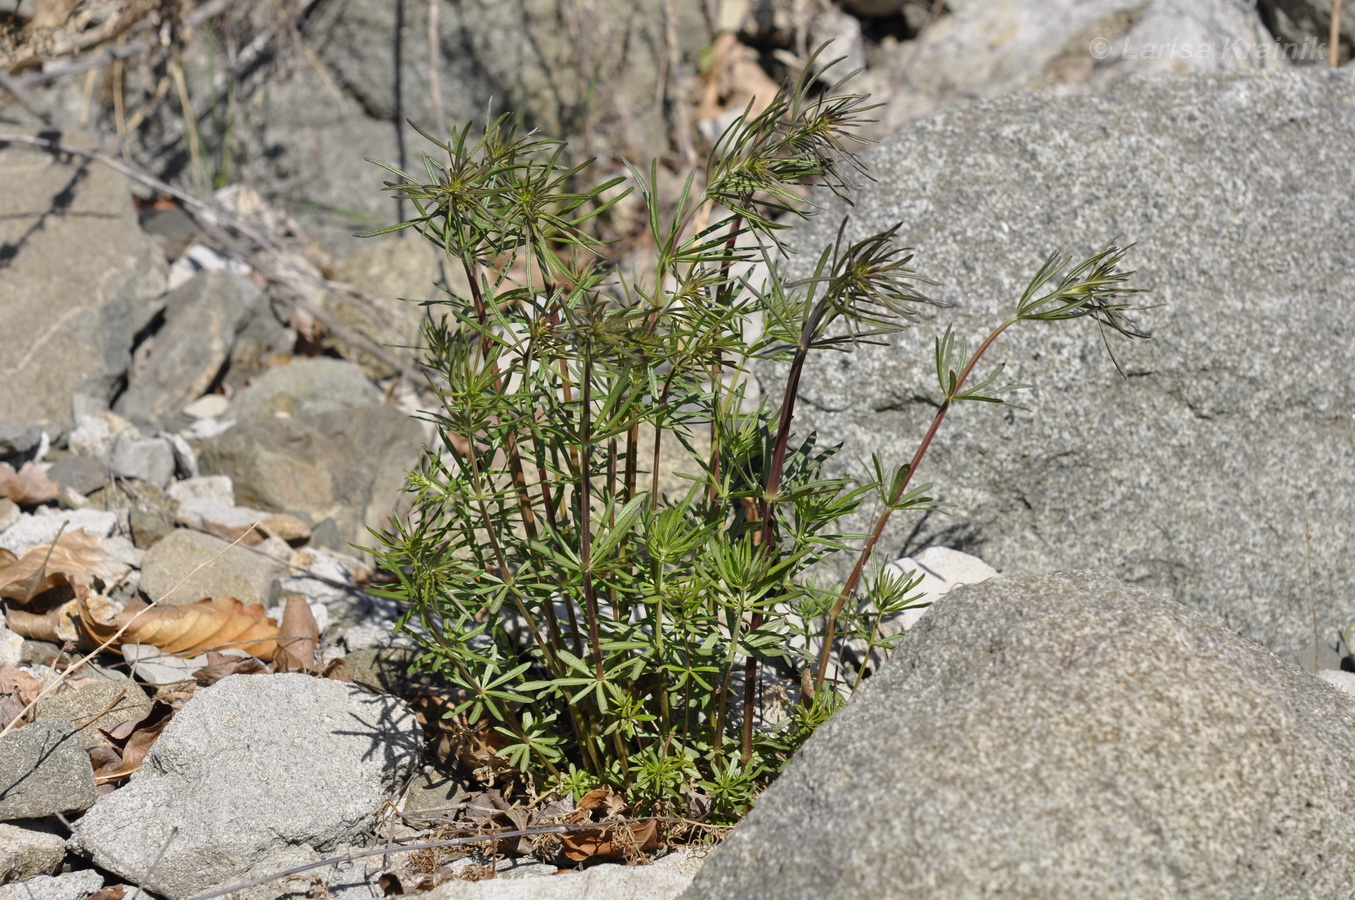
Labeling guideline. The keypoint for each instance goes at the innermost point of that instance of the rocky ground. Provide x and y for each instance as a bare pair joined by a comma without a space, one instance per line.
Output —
209,392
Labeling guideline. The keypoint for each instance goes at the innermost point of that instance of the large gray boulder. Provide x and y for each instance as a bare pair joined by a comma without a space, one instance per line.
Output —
1202,473
80,281
1061,736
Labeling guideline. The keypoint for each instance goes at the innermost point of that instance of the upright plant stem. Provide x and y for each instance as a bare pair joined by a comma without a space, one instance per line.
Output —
854,579
585,513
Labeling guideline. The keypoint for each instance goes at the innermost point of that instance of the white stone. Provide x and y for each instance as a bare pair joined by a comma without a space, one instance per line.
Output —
941,569
205,487
1341,680
211,406
10,646
32,531
153,666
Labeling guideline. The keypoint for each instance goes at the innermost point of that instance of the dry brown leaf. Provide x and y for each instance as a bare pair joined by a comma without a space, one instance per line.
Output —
113,893
297,637
17,690
133,739
27,487
219,666
45,627
211,624
71,560
621,841
615,841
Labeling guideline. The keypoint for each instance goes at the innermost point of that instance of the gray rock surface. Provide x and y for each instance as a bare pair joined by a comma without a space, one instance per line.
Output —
304,387
202,317
29,849
79,473
70,886
103,704
1230,440
983,49
251,764
44,770
239,573
80,281
1061,736
346,467
18,440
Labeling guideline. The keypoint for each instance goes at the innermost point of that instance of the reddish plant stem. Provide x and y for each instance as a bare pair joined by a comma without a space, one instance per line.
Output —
854,579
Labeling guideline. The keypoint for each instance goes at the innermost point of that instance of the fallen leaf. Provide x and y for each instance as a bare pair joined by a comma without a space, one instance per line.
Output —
219,666
621,841
27,487
133,739
69,561
44,627
17,690
297,637
210,624
113,893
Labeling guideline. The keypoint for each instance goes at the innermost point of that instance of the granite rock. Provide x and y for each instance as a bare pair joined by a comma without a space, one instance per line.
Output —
28,850
44,771
1061,736
252,764
346,467
1201,472
188,352
228,571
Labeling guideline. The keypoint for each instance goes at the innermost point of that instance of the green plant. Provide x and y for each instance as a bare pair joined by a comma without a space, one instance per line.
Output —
605,632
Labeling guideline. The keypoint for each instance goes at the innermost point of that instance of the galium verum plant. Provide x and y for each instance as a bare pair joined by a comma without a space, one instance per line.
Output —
603,632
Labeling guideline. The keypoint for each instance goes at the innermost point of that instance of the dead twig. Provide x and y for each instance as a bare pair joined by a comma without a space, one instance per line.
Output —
467,840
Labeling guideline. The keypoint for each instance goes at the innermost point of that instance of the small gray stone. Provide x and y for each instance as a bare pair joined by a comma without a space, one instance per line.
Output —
100,705
189,351
249,577
11,646
217,488
252,764
150,460
304,387
29,849
70,886
346,465
211,406
44,770
79,473
17,441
